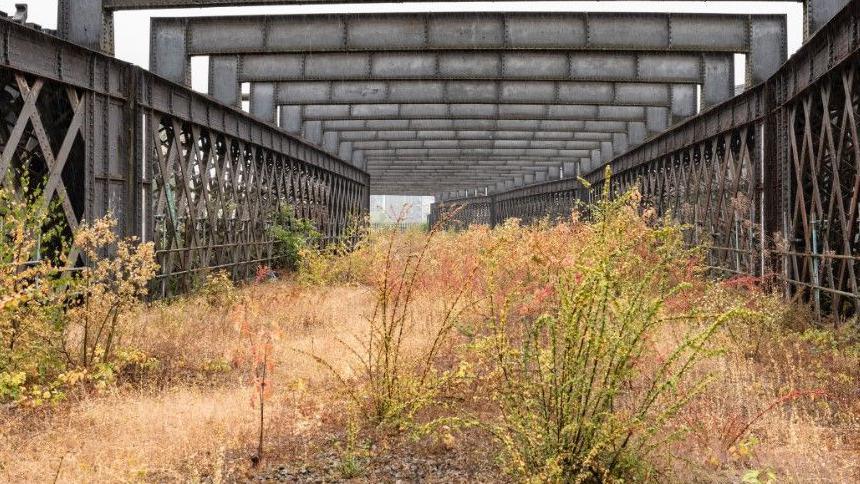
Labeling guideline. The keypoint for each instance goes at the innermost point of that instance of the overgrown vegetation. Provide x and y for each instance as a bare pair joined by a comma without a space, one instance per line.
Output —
398,380
60,329
293,236
577,401
582,351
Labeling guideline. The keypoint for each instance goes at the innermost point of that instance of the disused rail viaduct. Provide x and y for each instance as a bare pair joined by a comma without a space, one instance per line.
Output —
495,112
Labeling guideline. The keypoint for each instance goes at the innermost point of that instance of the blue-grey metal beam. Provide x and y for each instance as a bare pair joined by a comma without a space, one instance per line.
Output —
455,111
148,4
474,124
475,143
482,92
467,135
761,37
715,71
90,22
479,64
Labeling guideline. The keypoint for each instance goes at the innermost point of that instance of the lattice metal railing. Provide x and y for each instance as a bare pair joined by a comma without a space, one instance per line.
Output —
40,138
821,225
551,200
462,214
712,189
768,182
215,197
200,179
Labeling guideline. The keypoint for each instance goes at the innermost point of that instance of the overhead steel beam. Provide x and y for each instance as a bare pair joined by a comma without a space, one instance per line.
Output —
761,37
435,182
432,182
513,130
512,161
468,155
378,100
469,173
451,178
633,131
454,143
716,75
523,147
681,97
715,72
480,166
86,23
455,178
489,167
90,22
817,13
457,111
468,135
530,136
641,120
147,4
479,64
474,124
478,139
483,92
493,170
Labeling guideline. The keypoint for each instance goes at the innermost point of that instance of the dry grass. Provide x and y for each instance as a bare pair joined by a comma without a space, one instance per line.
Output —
127,436
192,418
186,420
182,425
781,400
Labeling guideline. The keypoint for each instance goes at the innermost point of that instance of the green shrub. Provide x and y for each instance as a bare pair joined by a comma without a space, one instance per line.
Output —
583,395
32,292
292,235
12,385
59,328
219,291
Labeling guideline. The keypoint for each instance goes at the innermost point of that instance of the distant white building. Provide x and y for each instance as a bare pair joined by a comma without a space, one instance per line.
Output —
407,208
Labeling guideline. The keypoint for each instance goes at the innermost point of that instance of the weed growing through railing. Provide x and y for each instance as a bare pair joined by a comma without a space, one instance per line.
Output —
292,235
578,402
113,282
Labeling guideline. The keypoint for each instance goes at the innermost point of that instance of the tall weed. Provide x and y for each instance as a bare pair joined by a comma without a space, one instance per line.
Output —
56,322
32,295
112,284
582,393
396,358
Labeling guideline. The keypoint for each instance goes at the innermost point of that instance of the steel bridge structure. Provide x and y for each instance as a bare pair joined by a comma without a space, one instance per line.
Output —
199,178
499,114
471,62
768,181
